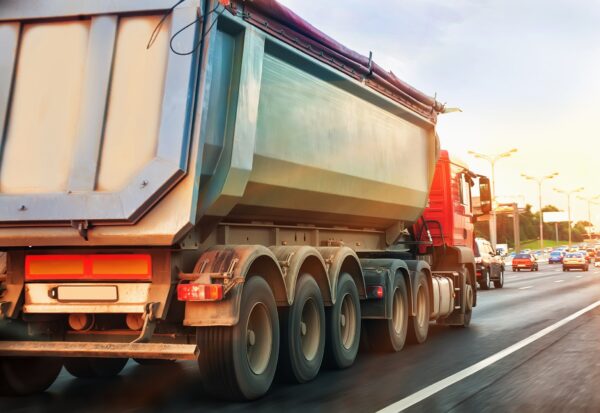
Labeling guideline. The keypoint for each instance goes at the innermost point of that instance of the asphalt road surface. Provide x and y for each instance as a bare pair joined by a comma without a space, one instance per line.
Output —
556,370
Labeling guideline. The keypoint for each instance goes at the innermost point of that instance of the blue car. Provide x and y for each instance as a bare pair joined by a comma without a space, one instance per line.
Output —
556,257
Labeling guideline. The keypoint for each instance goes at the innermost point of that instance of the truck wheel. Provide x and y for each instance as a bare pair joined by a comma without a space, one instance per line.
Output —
485,283
418,325
91,368
468,306
343,325
239,362
303,332
23,376
390,335
499,283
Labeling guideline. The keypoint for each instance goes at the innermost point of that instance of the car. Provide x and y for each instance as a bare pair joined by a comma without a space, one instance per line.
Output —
525,262
488,264
556,257
575,260
585,254
525,251
596,263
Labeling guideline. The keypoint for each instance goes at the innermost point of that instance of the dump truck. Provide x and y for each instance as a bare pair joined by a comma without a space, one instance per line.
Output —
210,181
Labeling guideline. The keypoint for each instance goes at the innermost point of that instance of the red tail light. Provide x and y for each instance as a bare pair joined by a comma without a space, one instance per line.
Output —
93,267
199,292
375,291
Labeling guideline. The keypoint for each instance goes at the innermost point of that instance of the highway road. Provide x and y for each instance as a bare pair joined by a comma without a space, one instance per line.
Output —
498,364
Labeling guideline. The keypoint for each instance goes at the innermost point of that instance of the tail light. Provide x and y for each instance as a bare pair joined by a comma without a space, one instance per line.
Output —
199,292
134,267
375,291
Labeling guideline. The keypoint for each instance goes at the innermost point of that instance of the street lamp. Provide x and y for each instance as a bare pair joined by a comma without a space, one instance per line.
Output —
492,159
589,201
569,193
539,181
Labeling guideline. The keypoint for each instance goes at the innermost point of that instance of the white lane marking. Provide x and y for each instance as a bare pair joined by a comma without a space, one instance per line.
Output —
578,276
463,374
558,281
511,276
557,270
525,288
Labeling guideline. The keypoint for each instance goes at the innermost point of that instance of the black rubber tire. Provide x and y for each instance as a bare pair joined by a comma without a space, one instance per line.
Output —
22,376
469,310
94,368
295,366
224,363
485,282
499,283
154,362
382,334
417,333
337,354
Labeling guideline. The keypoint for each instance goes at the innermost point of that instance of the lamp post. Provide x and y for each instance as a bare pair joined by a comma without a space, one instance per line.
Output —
539,181
590,201
569,193
492,159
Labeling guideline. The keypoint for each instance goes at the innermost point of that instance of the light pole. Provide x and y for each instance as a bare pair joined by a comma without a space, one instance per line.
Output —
569,193
492,159
589,201
539,181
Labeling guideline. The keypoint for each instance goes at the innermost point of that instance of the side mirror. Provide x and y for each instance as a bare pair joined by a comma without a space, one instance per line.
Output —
485,194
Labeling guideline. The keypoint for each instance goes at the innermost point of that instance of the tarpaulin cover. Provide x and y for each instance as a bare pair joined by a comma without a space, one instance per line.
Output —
286,17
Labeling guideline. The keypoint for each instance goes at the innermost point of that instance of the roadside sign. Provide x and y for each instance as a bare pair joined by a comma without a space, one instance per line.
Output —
555,216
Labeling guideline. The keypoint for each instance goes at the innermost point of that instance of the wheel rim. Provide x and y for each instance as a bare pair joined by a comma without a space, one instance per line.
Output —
259,338
421,307
398,312
347,322
310,330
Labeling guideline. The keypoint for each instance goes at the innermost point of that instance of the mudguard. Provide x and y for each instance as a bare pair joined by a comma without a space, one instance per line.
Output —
238,262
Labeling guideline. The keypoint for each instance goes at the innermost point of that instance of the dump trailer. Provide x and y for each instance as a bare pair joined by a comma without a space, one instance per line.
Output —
210,181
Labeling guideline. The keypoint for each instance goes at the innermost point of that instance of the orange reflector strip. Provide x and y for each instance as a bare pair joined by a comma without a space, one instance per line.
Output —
89,267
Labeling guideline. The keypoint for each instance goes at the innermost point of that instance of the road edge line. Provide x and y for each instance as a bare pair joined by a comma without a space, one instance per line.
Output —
440,385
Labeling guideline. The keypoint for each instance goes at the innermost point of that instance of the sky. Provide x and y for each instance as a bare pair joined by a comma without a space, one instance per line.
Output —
526,75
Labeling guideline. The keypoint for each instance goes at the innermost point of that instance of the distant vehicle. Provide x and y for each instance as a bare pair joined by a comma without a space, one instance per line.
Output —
585,254
591,252
556,257
575,260
525,262
502,249
548,249
525,251
596,263
489,266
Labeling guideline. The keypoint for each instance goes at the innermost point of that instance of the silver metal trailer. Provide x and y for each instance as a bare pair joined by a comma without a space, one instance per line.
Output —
237,192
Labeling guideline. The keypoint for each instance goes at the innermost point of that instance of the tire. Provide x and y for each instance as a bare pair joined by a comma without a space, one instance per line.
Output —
469,306
94,368
239,362
303,333
499,283
390,335
418,325
485,282
22,376
343,325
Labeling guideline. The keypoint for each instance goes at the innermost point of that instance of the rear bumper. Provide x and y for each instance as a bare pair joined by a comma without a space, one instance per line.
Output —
105,350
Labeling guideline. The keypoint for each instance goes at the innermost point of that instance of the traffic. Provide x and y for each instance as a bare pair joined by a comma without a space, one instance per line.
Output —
214,205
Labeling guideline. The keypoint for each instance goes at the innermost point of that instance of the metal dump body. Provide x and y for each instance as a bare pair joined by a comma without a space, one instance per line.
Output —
105,139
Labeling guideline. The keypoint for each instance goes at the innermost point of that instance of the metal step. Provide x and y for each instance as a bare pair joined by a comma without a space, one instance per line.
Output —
105,350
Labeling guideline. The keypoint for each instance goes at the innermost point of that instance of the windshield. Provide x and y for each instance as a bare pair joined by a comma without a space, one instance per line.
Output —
555,253
525,256
574,255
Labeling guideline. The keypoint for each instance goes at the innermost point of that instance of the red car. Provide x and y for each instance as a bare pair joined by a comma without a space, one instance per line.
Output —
524,262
